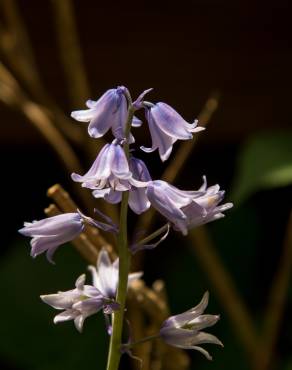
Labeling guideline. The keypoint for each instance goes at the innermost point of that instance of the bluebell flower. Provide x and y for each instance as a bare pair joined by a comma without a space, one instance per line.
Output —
108,112
204,208
78,303
185,330
105,276
48,234
111,174
138,201
187,209
166,127
109,171
86,300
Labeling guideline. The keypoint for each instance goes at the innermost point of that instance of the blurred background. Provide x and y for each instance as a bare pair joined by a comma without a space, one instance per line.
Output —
226,62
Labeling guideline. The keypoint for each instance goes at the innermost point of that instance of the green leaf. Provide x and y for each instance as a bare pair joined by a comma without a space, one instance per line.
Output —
265,162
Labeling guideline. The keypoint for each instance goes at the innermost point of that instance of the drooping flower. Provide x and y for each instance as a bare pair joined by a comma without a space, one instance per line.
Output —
86,300
108,112
166,127
109,171
48,234
205,208
138,201
187,209
78,303
111,174
185,330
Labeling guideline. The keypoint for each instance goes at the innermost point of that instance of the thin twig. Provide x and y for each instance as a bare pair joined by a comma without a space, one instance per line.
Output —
12,95
276,301
70,51
18,41
16,48
225,289
185,149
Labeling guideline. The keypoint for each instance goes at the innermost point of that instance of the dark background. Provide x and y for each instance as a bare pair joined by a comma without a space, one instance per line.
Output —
185,51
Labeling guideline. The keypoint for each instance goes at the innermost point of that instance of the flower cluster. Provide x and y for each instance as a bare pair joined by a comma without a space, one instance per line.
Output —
86,300
115,171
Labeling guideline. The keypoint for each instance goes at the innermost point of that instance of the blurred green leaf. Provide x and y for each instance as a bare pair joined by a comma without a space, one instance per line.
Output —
29,339
264,162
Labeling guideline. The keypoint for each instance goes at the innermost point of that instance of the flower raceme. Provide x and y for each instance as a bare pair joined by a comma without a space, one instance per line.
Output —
48,234
185,330
187,209
114,171
86,300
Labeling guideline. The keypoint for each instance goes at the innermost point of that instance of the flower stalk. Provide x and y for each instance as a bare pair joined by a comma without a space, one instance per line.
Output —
124,264
152,236
140,341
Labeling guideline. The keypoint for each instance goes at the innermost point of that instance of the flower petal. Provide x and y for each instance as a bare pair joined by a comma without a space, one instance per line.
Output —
120,166
83,115
104,113
170,122
65,316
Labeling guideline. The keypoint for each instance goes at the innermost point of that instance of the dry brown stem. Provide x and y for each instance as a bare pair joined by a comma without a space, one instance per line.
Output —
17,42
12,95
70,51
276,302
225,290
17,50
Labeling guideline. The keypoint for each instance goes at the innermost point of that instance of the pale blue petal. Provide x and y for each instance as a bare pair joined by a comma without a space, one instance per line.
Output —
170,122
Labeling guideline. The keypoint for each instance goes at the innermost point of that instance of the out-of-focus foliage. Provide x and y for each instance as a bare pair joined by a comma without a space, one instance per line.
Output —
265,161
29,339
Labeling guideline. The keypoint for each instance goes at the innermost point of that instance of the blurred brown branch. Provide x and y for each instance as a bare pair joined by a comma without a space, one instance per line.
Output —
17,51
225,289
12,95
70,51
276,302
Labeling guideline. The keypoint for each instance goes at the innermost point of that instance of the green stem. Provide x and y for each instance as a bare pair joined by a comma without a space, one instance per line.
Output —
153,235
124,267
140,341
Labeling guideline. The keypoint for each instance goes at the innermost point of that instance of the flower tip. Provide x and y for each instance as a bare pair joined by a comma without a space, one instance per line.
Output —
33,254
22,231
93,132
56,320
217,317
